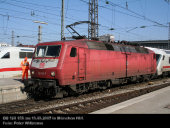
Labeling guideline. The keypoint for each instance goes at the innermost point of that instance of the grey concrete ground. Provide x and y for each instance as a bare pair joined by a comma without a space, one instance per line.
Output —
10,81
10,90
157,102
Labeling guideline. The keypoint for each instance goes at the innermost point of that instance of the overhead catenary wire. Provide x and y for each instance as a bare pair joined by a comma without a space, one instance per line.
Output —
37,10
47,12
49,7
133,12
21,17
135,15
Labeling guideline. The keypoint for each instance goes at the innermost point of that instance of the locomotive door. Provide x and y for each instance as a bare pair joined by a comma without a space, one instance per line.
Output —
81,64
126,58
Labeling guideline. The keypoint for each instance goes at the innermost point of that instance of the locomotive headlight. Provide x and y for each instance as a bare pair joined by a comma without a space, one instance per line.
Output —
32,72
53,74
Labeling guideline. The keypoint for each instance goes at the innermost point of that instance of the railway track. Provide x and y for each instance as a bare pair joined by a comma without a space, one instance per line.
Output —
85,103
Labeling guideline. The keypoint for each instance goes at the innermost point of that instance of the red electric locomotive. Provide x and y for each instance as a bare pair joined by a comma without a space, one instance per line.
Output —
67,67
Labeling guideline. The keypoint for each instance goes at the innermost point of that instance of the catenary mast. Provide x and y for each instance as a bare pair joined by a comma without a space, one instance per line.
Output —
93,28
62,21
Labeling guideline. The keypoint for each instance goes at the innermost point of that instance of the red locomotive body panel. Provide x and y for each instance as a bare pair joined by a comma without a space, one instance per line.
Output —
83,61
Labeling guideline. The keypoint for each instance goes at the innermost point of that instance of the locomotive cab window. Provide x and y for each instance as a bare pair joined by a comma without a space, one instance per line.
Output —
53,51
6,56
73,52
48,51
40,51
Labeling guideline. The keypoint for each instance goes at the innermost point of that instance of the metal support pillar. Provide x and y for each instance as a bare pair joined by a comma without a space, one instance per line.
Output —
93,18
62,21
12,41
169,37
39,34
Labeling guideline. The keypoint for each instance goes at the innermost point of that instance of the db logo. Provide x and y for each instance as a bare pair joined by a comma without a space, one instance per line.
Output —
42,65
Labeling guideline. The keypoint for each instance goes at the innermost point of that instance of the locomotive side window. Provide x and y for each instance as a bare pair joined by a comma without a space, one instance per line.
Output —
73,52
6,56
169,60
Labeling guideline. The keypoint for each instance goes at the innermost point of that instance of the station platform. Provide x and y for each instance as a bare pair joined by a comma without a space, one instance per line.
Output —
10,90
157,102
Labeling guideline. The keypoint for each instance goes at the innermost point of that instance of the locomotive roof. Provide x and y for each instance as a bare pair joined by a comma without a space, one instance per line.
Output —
99,45
80,43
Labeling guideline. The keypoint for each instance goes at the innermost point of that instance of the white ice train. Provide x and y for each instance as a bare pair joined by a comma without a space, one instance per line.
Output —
163,61
10,60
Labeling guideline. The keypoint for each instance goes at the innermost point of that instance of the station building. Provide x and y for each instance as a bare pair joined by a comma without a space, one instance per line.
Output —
162,44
